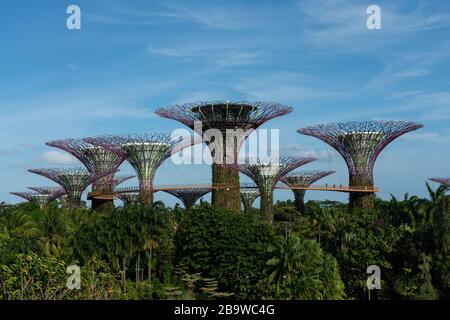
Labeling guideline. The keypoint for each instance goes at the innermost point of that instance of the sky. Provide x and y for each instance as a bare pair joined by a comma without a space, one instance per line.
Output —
131,57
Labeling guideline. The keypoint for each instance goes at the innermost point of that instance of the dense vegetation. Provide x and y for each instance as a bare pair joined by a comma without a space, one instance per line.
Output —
164,253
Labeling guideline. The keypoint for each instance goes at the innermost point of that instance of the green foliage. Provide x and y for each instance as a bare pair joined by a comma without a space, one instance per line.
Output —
44,278
301,270
230,247
163,253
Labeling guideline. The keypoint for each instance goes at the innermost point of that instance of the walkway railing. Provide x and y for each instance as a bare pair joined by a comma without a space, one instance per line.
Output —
163,187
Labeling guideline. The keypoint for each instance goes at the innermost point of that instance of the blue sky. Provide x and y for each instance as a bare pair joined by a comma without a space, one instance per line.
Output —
131,57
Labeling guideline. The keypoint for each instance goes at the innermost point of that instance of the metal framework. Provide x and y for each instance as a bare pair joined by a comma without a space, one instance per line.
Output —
73,180
38,198
97,160
145,153
49,190
266,175
444,181
235,121
118,180
189,197
360,143
248,196
303,179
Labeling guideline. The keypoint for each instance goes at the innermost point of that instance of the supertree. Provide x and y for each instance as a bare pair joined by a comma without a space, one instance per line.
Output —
248,196
266,175
37,198
303,179
189,196
444,181
129,198
73,180
235,121
97,160
145,153
360,143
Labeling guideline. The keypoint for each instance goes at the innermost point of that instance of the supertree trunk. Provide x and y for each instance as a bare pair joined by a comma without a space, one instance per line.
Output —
361,200
267,207
299,196
74,203
100,205
226,198
247,207
146,193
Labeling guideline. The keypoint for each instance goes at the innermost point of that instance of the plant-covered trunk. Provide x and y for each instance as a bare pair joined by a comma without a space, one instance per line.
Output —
74,203
226,198
146,193
102,204
361,200
299,200
267,209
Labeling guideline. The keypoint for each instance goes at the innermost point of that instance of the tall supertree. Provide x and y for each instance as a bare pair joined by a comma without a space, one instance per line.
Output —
248,196
360,143
97,160
145,153
73,180
303,179
238,119
267,174
37,198
444,181
129,198
189,196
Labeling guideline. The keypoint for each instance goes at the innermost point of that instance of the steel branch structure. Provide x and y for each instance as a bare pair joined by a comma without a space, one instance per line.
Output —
118,180
47,190
73,180
38,198
235,121
444,181
145,153
303,179
267,174
189,197
360,143
248,196
97,160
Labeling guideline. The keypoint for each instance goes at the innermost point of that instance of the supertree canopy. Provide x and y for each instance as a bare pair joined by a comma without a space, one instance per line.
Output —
360,143
267,174
97,160
129,198
47,190
73,180
189,196
235,121
444,181
248,196
303,179
145,153
35,197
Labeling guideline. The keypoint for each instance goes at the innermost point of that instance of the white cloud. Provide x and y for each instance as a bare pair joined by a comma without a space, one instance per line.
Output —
341,24
59,158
